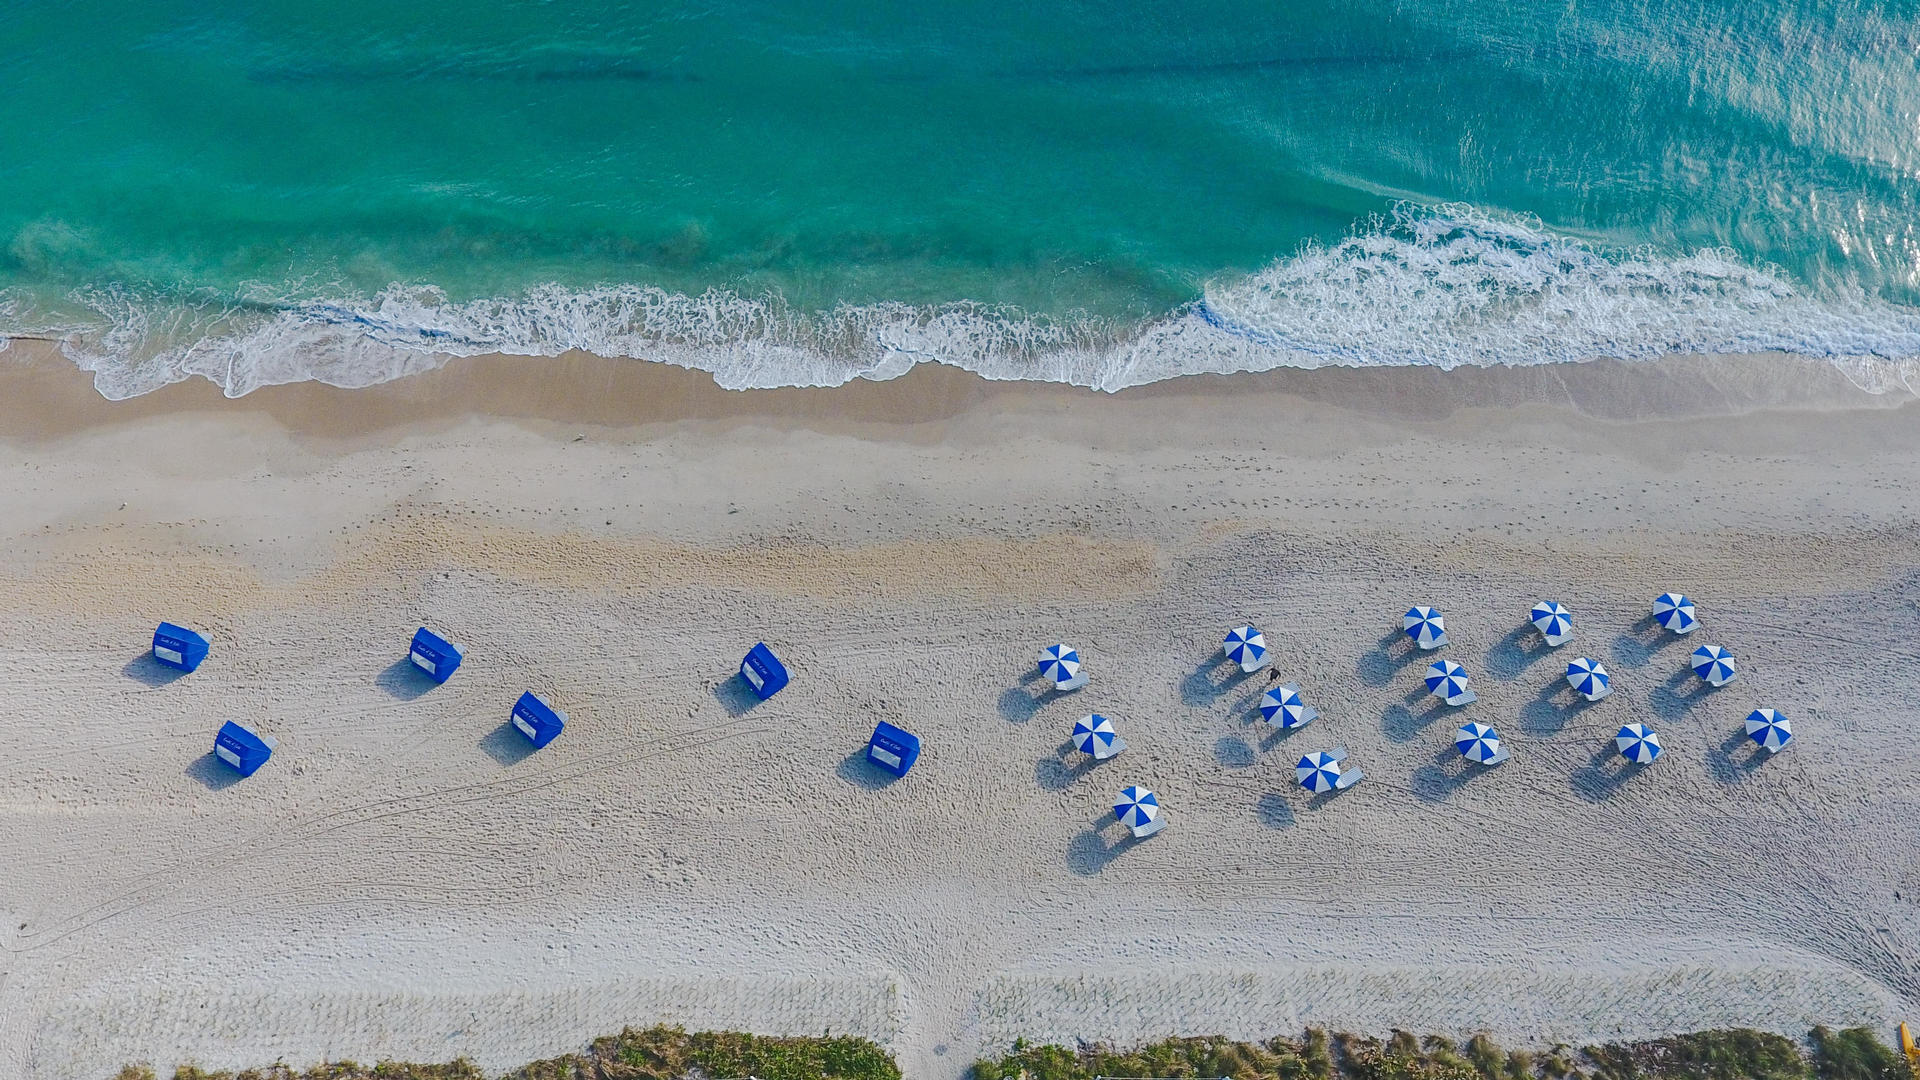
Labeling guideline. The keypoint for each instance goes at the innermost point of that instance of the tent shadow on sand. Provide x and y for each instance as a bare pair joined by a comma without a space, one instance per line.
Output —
404,680
147,671
855,769
506,745
1091,851
735,696
213,774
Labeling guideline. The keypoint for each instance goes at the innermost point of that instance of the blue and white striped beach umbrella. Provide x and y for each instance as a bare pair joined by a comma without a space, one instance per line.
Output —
1589,679
1136,807
1675,612
1714,664
1059,663
1448,681
1425,626
1094,734
1637,743
1553,620
1245,646
1479,743
1318,772
1769,729
1282,707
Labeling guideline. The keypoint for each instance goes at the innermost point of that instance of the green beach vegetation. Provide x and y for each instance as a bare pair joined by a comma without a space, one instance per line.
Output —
666,1053
1731,1054
657,1053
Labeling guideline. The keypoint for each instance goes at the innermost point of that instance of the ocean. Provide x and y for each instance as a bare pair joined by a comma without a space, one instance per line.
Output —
798,192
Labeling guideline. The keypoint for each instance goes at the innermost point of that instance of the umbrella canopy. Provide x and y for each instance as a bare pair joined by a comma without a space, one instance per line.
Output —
1637,743
1059,663
1553,620
1425,626
1714,664
1478,742
1769,729
1136,807
1318,772
1589,679
1245,646
1448,680
1675,612
1094,734
1282,707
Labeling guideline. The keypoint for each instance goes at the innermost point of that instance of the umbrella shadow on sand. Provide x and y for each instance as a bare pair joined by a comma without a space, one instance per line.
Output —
1020,704
1512,655
1681,691
1552,709
1275,811
1642,643
1096,847
1728,765
1603,775
1389,656
1206,685
1448,772
1401,724
1058,770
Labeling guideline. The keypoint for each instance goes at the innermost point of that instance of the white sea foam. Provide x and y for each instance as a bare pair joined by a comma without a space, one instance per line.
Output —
1443,286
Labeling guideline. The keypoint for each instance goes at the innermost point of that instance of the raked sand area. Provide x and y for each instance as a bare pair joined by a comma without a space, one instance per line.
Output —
403,879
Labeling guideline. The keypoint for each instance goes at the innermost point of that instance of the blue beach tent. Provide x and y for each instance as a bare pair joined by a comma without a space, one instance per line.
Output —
179,647
537,720
242,748
434,654
893,749
763,671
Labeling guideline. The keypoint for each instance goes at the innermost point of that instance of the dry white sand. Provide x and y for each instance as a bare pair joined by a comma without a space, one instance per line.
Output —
403,879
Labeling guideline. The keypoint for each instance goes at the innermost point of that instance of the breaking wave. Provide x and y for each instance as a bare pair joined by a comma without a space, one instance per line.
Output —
1445,286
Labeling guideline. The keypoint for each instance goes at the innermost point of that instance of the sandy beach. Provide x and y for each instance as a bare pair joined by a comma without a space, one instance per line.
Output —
404,879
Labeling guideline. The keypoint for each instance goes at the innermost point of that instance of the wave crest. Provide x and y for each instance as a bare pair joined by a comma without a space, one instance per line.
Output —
1444,286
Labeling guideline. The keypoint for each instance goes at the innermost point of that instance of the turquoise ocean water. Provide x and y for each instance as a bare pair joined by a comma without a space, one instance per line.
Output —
804,192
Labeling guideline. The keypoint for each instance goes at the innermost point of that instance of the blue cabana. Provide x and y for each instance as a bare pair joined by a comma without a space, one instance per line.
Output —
763,671
893,749
434,654
179,647
242,748
537,720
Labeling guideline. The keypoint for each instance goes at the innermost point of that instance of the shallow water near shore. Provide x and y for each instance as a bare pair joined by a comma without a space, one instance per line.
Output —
794,193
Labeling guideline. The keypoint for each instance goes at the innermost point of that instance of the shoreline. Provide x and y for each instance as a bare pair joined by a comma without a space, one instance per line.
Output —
49,397
402,879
